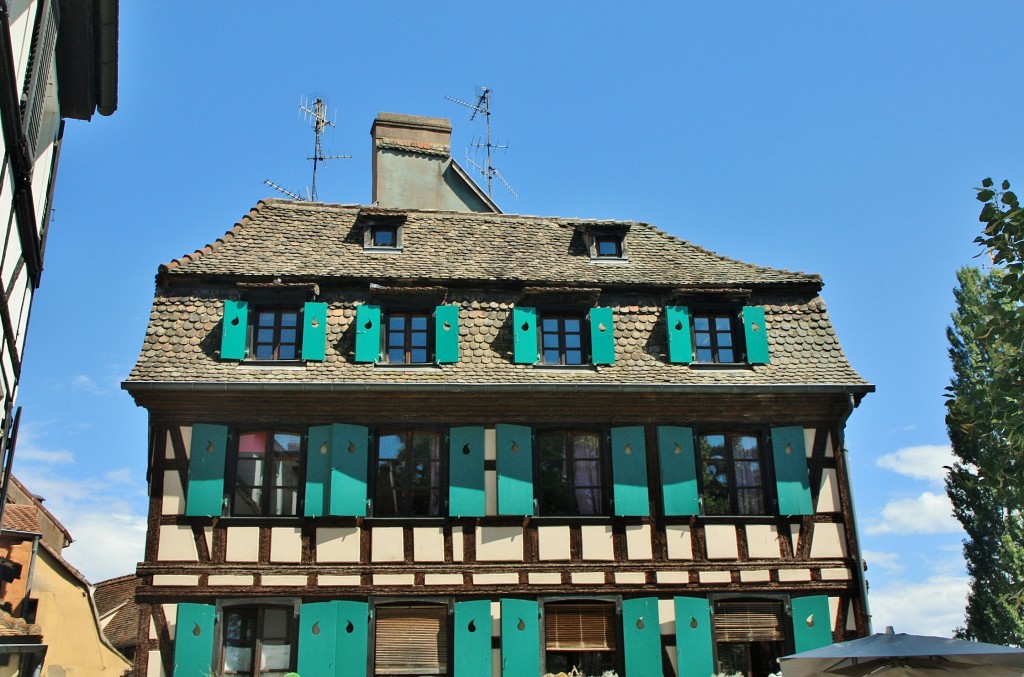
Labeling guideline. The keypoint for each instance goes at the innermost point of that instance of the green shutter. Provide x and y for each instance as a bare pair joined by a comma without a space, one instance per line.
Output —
367,333
602,336
318,640
641,635
349,448
680,341
193,640
629,470
473,638
520,638
515,469
446,334
314,331
756,334
678,470
695,649
208,451
791,478
234,335
524,328
318,470
466,472
812,623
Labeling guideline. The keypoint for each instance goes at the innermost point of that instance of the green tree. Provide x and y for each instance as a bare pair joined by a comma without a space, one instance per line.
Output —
994,549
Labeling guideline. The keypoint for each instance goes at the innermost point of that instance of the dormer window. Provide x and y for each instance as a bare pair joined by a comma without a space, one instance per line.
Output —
608,247
606,242
383,234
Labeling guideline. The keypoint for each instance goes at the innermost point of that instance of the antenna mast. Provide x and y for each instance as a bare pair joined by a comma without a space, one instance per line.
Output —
317,113
483,107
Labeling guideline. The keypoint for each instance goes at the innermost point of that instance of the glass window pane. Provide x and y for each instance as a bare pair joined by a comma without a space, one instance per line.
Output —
703,340
572,326
264,352
390,446
419,340
265,319
289,319
288,335
700,323
396,355
725,355
396,323
265,336
419,356
572,341
419,322
722,324
549,325
573,357
551,357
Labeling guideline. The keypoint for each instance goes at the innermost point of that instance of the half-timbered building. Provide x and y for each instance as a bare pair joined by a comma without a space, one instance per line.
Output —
391,440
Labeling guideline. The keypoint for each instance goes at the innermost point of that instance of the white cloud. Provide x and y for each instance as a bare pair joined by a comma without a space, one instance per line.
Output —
105,544
44,456
83,382
889,561
920,463
927,514
934,606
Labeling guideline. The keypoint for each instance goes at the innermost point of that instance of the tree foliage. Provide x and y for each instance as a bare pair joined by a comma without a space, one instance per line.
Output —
994,549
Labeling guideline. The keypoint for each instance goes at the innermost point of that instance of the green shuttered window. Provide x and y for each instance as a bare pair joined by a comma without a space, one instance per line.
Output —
314,331
367,333
602,336
336,468
207,454
515,469
629,468
407,335
466,472
332,639
756,335
694,639
193,640
524,333
680,343
678,471
792,480
641,634
446,334
234,335
520,638
473,638
812,622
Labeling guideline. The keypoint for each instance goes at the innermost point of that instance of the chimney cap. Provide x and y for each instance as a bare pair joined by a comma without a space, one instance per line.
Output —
413,122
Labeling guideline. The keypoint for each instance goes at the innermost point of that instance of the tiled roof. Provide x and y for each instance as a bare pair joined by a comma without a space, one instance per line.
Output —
183,338
12,626
300,240
117,596
21,518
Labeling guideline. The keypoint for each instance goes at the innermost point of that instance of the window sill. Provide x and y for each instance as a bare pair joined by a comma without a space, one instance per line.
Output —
273,364
582,368
277,520
734,519
615,260
724,366
382,250
388,366
432,521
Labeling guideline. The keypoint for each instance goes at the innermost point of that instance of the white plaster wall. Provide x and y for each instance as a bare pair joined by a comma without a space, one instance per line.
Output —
387,544
763,541
680,544
173,500
638,541
176,544
286,544
721,541
337,544
828,541
553,543
828,494
499,544
243,544
597,542
428,544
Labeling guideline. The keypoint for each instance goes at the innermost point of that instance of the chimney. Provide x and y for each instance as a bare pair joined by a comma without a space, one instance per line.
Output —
413,167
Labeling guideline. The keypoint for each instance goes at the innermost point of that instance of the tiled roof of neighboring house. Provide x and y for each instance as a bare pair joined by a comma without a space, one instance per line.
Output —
21,518
12,626
299,240
116,596
49,516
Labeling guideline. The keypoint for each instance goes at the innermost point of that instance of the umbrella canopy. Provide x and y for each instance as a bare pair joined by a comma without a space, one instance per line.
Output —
892,655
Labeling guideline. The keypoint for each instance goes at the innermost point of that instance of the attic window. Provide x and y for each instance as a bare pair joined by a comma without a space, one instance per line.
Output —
383,236
606,244
608,247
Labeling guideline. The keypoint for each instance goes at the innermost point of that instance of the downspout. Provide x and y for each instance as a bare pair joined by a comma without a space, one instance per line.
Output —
32,568
861,578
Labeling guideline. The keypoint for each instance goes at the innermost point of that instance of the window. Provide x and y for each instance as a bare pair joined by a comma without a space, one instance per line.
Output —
385,235
572,474
608,246
408,474
715,337
267,473
407,338
749,636
275,334
562,339
411,639
732,473
581,636
258,640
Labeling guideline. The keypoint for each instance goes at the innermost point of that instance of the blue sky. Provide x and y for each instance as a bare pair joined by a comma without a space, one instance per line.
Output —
842,139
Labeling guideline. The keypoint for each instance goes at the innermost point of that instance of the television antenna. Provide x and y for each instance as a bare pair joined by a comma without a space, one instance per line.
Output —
315,112
482,106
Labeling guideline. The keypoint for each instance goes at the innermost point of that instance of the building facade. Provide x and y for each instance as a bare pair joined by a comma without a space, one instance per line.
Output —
402,441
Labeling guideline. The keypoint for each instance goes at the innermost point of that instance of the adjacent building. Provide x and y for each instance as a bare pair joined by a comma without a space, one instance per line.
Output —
432,438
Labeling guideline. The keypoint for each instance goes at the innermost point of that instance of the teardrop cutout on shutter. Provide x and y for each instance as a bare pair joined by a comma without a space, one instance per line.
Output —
369,324
677,449
447,325
754,326
526,326
210,448
789,448
640,623
323,448
693,622
314,323
810,621
466,450
628,450
515,447
316,628
349,628
234,321
521,625
601,327
196,631
472,626
351,447
679,326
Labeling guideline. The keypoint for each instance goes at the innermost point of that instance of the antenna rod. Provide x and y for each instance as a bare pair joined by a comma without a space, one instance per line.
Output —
320,122
483,106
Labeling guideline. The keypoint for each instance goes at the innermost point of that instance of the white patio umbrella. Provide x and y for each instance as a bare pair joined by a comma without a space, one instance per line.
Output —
899,655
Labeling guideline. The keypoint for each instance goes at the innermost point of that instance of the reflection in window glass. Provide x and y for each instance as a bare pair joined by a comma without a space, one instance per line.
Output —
562,340
731,473
408,338
276,334
408,474
258,640
714,339
571,472
267,473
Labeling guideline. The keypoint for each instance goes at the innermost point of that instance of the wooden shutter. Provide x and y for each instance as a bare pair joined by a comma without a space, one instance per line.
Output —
234,336
318,471
524,333
367,333
791,478
473,638
641,635
629,468
680,341
33,98
314,331
749,621
695,648
446,334
602,336
411,639
319,645
587,626
207,455
520,638
678,470
466,472
349,462
756,335
193,640
812,622
515,469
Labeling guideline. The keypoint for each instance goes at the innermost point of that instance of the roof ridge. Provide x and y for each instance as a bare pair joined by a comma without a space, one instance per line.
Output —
230,233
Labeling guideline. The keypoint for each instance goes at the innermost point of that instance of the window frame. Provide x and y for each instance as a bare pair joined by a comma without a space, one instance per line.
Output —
255,651
614,602
736,334
413,602
561,335
408,314
266,488
765,470
606,486
371,230
406,509
596,237
784,646
254,328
